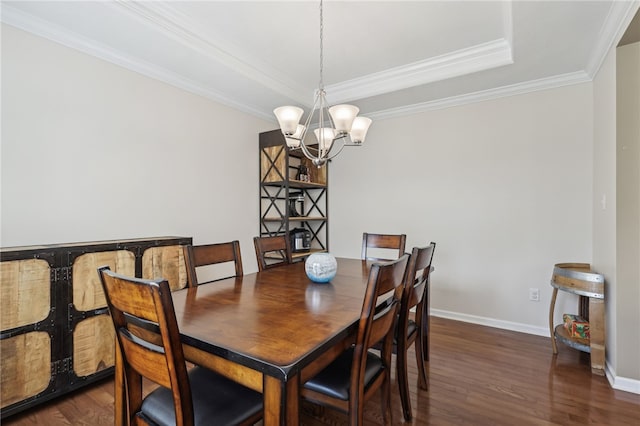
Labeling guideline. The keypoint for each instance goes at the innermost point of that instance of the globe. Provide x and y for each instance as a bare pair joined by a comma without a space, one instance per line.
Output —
321,267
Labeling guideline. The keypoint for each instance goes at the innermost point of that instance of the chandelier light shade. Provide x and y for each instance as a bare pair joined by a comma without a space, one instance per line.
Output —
334,127
325,137
294,140
343,116
288,118
359,129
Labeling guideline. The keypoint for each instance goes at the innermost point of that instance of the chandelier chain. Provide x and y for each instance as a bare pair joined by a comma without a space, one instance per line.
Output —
321,85
337,126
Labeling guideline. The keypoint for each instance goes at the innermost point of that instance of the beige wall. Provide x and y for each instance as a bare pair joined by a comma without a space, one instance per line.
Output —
92,151
614,227
604,190
628,211
503,187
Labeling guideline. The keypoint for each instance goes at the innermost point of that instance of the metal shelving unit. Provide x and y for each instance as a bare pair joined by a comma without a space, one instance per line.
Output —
287,203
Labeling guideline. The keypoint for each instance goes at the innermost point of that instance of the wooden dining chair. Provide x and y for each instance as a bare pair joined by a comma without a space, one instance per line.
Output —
272,251
392,244
356,374
408,331
184,397
202,256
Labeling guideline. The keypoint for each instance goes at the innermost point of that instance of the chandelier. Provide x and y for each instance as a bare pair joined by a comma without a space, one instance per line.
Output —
337,126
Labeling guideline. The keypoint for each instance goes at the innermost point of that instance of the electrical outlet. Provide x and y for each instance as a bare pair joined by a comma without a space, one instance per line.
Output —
534,294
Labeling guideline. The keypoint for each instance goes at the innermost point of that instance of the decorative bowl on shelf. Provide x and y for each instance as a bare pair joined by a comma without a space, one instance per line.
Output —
321,267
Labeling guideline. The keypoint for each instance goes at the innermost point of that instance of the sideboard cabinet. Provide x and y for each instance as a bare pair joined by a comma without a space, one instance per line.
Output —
56,334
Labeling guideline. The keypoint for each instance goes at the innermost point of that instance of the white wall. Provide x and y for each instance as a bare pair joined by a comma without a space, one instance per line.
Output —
91,151
503,187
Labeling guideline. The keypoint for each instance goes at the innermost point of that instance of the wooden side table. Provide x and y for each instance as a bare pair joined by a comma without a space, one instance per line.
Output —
579,279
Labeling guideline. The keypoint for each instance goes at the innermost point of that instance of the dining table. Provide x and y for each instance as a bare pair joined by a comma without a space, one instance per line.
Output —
271,330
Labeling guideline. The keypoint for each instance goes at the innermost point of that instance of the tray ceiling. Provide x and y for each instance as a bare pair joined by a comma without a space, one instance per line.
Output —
389,58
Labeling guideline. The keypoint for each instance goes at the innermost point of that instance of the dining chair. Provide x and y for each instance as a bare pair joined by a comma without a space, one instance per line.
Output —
382,243
202,256
357,373
195,396
408,331
272,251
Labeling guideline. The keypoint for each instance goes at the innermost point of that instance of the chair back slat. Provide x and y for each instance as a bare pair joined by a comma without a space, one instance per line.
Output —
272,251
382,243
144,357
214,253
211,254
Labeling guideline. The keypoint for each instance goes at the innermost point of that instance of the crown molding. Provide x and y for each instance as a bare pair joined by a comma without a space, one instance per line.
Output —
461,62
31,24
620,15
172,24
485,95
507,21
476,58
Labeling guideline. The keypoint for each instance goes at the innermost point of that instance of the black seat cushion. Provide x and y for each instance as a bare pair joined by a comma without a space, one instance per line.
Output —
216,401
334,379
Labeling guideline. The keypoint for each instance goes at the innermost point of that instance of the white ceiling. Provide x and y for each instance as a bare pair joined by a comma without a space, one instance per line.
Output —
388,57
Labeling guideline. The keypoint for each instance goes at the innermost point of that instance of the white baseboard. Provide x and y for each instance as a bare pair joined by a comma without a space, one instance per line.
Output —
492,322
618,383
621,383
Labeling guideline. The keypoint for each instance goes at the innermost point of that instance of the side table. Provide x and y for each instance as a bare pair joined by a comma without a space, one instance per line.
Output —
579,279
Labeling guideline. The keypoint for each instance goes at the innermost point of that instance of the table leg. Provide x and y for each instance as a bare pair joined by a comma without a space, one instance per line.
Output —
281,401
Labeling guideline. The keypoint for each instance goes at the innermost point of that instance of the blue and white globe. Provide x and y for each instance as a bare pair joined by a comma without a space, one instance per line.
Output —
321,267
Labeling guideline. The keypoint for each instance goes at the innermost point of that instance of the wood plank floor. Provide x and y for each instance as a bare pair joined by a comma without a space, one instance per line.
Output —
478,376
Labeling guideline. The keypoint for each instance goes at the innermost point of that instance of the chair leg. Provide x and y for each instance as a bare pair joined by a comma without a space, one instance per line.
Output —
385,392
356,414
403,381
422,356
423,366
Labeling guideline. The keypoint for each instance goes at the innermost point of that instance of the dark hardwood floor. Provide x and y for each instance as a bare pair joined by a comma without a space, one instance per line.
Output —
478,376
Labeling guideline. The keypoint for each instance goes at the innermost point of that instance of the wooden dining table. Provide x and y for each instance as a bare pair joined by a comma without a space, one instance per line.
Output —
270,330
